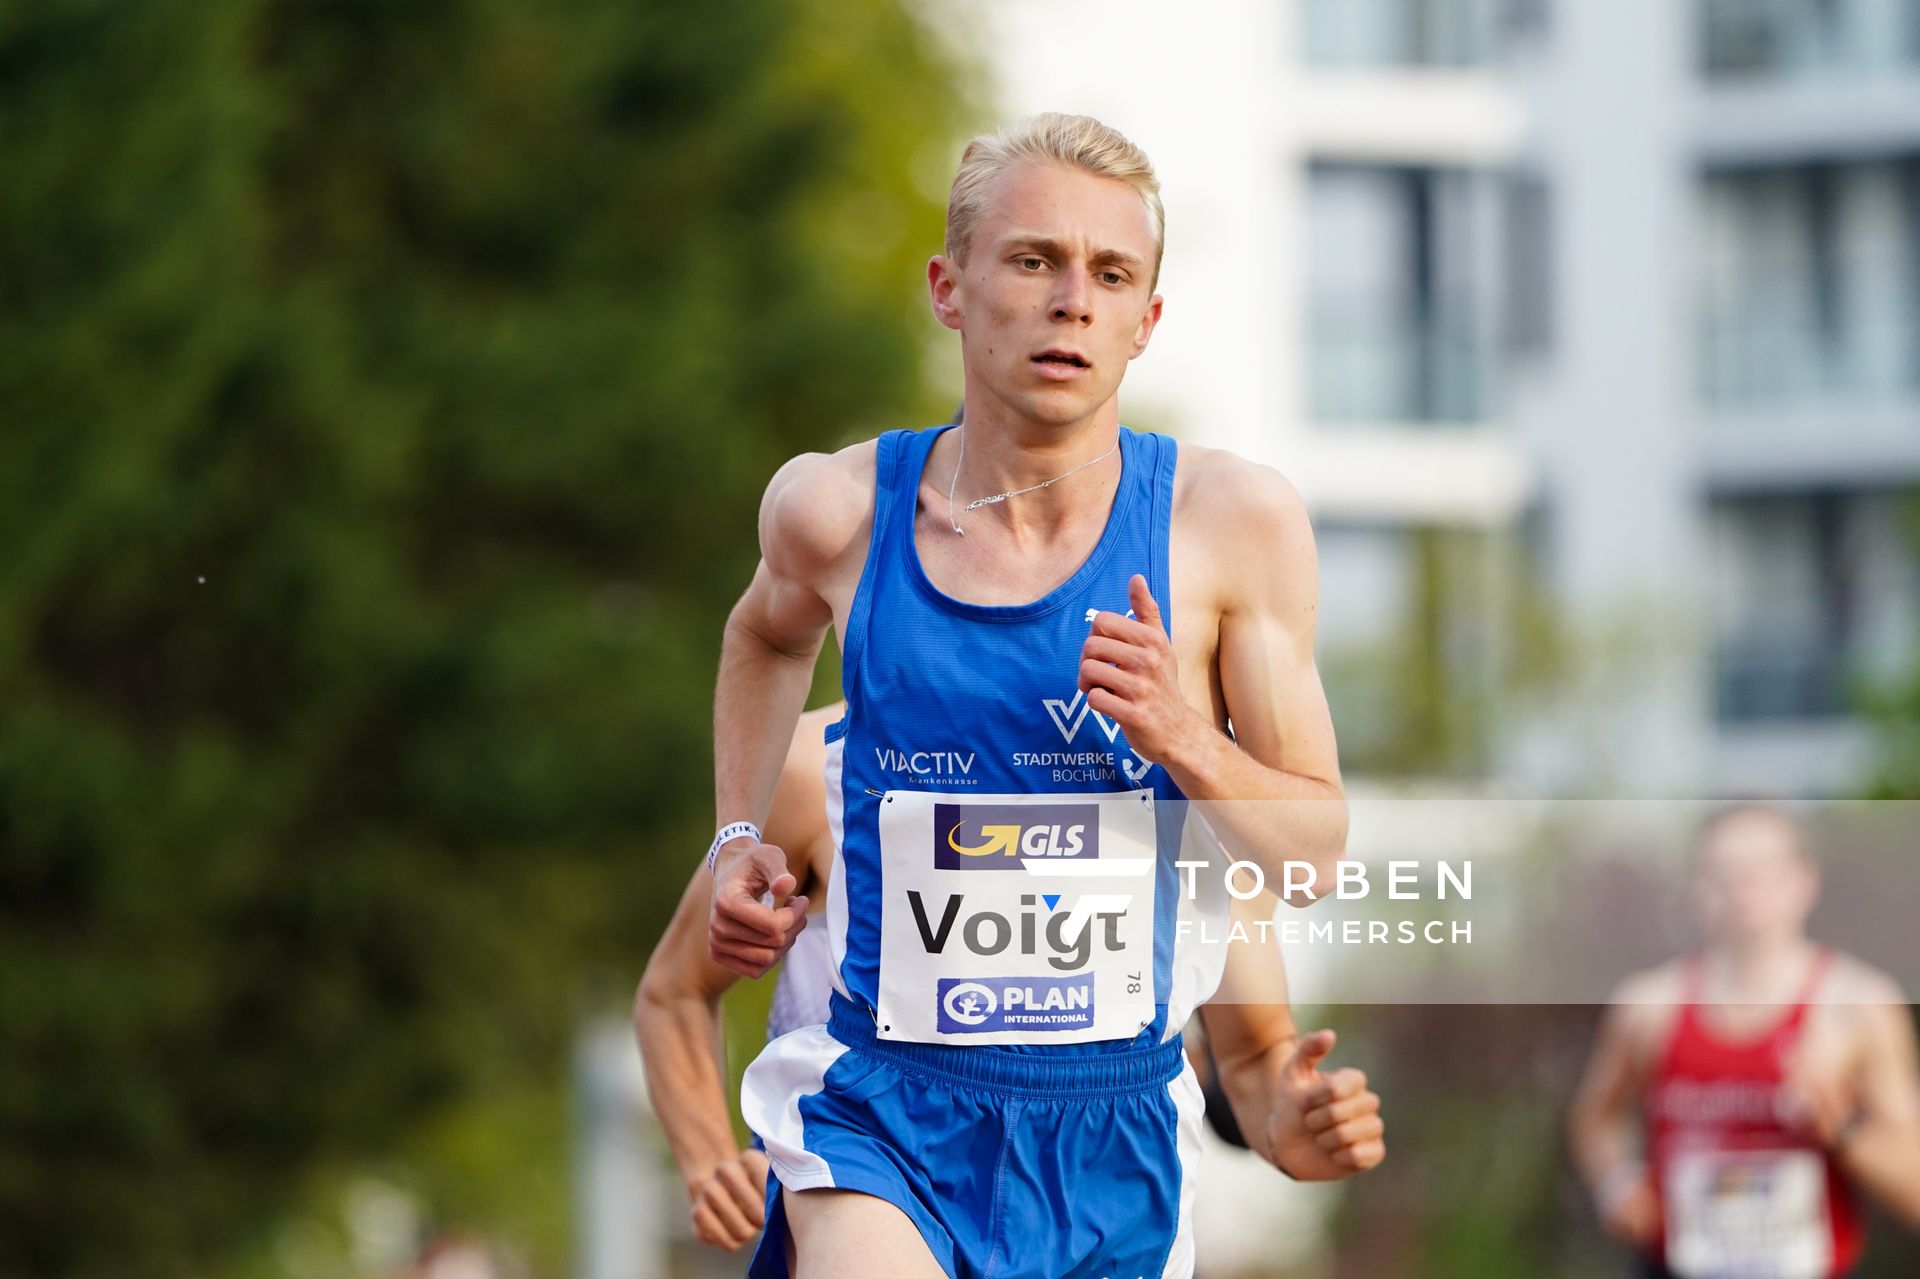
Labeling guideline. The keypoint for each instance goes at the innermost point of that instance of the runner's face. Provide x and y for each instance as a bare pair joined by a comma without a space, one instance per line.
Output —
1751,885
1059,259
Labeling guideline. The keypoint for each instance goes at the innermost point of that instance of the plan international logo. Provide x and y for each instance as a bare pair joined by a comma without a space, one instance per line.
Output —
1013,1003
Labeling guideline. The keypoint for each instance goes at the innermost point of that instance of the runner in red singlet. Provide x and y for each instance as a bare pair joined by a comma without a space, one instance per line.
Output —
1749,1183
1742,1099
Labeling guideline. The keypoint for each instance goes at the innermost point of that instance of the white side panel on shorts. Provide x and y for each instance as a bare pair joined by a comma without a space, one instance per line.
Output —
806,975
1197,965
1191,1105
790,1068
837,877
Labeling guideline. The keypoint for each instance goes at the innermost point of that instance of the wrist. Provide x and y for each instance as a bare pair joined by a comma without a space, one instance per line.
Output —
1188,752
730,836
1618,1184
1261,1080
696,1172
1280,1165
728,852
1275,1123
702,1168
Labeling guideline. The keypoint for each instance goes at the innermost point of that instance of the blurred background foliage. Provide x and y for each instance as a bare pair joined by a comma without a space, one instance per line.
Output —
1892,706
376,376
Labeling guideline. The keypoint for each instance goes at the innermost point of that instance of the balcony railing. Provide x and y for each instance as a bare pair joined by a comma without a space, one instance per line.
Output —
1348,34
1808,38
1752,357
1781,680
1365,366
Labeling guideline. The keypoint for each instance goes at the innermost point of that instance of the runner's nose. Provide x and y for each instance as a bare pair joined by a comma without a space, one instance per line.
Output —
1074,299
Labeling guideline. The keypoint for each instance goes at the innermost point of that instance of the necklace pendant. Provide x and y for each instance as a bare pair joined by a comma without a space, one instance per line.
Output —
977,503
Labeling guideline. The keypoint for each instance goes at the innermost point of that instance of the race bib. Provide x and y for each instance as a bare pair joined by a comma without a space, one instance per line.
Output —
1016,919
1748,1214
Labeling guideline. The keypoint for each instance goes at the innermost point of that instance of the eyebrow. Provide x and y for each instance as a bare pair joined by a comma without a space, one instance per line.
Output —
1055,249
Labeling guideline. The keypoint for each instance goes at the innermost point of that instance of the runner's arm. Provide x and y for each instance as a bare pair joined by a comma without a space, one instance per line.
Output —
1311,1125
1272,789
1882,1151
676,1020
1250,1027
1602,1123
813,523
676,1010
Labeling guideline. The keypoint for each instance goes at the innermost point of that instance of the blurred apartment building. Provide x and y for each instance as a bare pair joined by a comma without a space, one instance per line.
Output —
1591,334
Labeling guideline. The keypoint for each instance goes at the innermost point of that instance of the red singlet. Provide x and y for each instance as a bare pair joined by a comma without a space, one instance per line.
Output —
1743,1194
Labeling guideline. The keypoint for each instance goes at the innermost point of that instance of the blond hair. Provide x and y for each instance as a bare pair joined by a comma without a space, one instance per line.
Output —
1069,141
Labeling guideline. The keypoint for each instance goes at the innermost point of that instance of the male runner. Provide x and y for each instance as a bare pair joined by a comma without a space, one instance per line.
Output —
1000,1086
1288,1115
1773,1079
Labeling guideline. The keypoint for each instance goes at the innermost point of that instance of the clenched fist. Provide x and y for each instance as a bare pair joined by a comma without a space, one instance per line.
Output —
755,918
1324,1126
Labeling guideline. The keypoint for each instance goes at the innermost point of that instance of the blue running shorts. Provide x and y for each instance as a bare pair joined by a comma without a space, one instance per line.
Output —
1012,1165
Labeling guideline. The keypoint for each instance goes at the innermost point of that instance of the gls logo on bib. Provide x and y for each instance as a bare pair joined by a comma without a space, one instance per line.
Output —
1001,836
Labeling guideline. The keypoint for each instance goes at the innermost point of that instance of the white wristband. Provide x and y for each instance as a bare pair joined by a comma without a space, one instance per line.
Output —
728,833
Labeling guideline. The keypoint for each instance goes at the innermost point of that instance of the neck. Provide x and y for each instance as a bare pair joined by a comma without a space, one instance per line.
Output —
1003,454
1758,966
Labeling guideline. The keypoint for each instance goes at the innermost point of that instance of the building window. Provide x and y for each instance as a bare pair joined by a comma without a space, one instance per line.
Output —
1400,293
1351,34
1810,285
1784,38
1813,593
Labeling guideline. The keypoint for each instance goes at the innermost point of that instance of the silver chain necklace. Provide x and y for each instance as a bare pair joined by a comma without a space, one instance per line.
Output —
1001,497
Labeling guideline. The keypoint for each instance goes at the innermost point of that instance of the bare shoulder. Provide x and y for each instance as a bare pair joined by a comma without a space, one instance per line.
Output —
1861,1004
818,508
1642,1006
1250,516
1664,985
1854,981
1210,481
